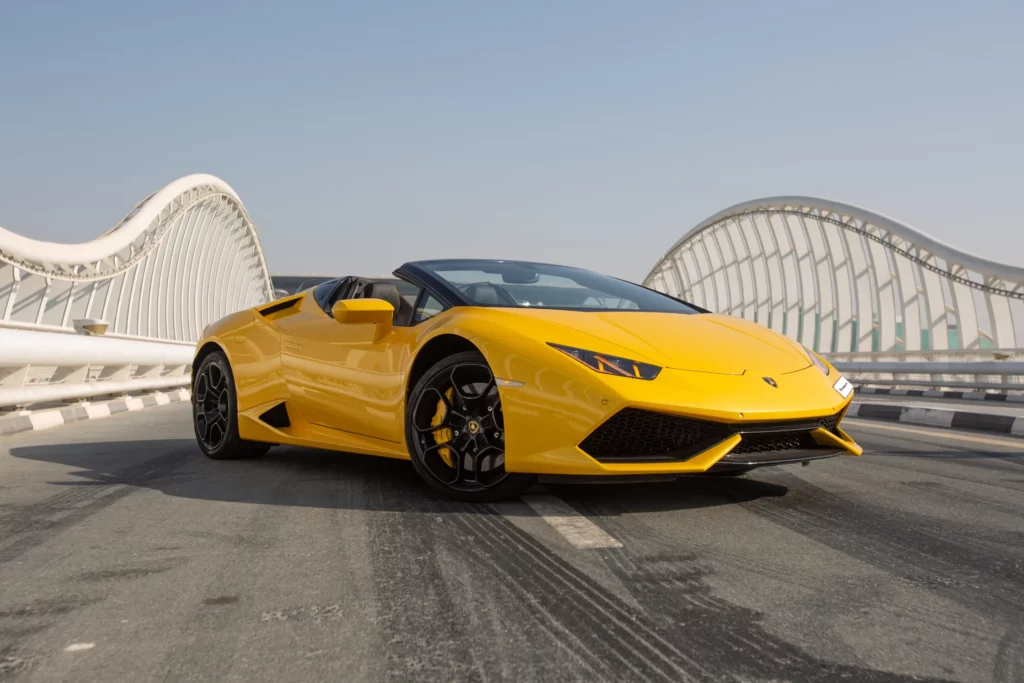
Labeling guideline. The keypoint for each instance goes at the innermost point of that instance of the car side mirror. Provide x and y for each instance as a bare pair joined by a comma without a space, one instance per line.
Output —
365,312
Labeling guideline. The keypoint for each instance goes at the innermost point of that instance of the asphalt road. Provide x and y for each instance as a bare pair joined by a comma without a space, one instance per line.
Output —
125,555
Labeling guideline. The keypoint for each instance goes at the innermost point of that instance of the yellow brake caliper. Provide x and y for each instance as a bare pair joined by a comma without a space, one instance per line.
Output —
444,434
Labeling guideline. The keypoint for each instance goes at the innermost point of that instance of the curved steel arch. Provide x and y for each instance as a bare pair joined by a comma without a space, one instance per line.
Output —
864,282
183,257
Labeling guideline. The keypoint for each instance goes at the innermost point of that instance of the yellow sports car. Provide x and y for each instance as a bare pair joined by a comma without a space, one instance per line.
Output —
487,374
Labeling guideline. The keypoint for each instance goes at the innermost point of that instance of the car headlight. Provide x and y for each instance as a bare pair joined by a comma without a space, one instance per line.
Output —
610,365
818,363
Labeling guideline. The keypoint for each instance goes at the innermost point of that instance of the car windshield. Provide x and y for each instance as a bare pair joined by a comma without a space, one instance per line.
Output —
535,285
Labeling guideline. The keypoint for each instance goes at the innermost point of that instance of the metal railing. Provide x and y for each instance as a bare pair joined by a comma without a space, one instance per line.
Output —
41,366
992,370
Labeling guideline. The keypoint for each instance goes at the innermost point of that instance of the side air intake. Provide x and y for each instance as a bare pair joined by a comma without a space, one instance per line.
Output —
277,417
279,306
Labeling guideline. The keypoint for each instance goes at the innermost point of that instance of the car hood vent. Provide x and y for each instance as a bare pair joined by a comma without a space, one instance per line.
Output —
278,306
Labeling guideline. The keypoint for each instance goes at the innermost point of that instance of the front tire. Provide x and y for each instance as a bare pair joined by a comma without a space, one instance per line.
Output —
215,412
455,431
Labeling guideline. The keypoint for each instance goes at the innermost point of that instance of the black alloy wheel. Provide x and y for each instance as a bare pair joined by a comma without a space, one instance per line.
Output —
215,412
455,431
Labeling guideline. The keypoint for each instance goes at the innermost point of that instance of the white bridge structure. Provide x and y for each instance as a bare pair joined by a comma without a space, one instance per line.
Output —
121,314
889,305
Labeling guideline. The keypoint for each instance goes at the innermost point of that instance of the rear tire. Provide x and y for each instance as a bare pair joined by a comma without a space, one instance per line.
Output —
215,412
455,432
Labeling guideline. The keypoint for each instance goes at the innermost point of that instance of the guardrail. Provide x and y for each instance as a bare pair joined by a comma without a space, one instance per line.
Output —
1000,371
40,366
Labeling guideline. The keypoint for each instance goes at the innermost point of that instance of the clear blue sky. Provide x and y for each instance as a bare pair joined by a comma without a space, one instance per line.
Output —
362,135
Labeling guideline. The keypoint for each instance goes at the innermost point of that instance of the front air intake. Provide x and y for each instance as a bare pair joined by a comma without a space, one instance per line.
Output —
770,442
636,435
633,434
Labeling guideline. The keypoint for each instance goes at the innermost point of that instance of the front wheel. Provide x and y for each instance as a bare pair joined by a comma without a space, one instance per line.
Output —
215,412
455,431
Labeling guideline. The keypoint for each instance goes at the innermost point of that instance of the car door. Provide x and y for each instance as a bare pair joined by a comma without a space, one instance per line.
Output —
308,321
345,379
363,379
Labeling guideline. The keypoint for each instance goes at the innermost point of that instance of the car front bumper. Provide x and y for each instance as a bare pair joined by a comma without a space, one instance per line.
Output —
548,421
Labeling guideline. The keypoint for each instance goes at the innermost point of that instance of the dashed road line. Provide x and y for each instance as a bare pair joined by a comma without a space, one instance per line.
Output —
79,647
577,529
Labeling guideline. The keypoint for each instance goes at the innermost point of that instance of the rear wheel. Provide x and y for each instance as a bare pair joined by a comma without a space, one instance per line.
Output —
455,430
215,412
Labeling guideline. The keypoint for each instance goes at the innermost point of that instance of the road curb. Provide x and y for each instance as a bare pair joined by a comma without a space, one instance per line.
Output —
44,419
1007,425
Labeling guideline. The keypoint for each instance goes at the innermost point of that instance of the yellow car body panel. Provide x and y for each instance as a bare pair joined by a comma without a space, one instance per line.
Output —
346,384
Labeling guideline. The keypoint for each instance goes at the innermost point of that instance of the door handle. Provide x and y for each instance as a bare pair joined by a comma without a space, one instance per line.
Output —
292,346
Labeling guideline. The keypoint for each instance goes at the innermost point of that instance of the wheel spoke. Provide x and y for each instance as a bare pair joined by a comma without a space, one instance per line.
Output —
203,427
457,385
457,461
487,389
202,388
217,433
449,413
478,460
216,377
211,400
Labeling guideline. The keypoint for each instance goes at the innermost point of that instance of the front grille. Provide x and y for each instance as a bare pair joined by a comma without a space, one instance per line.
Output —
636,435
768,442
830,422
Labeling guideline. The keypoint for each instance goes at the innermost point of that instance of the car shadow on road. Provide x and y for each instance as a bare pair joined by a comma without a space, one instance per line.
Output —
305,477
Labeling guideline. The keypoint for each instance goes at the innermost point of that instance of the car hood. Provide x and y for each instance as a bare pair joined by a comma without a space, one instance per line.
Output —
703,342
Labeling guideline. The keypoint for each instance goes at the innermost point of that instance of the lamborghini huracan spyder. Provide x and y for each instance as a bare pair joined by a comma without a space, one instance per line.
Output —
488,373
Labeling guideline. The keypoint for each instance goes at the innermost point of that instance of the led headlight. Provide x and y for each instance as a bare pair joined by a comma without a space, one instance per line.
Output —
818,363
610,365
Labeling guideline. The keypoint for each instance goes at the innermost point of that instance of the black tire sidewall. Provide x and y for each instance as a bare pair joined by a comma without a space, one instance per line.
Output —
511,486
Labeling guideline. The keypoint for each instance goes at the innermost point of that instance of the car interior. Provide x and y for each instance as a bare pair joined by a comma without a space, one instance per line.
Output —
399,293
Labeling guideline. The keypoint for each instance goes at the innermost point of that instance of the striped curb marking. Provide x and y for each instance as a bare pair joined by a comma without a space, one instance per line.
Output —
44,419
938,417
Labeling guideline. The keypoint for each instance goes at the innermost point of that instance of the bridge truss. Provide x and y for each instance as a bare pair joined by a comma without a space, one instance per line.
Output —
849,283
184,257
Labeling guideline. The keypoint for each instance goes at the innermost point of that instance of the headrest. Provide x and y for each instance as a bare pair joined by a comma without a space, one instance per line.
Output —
487,294
383,290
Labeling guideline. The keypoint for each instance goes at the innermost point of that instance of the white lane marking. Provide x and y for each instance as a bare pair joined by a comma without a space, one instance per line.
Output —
944,434
79,647
577,529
